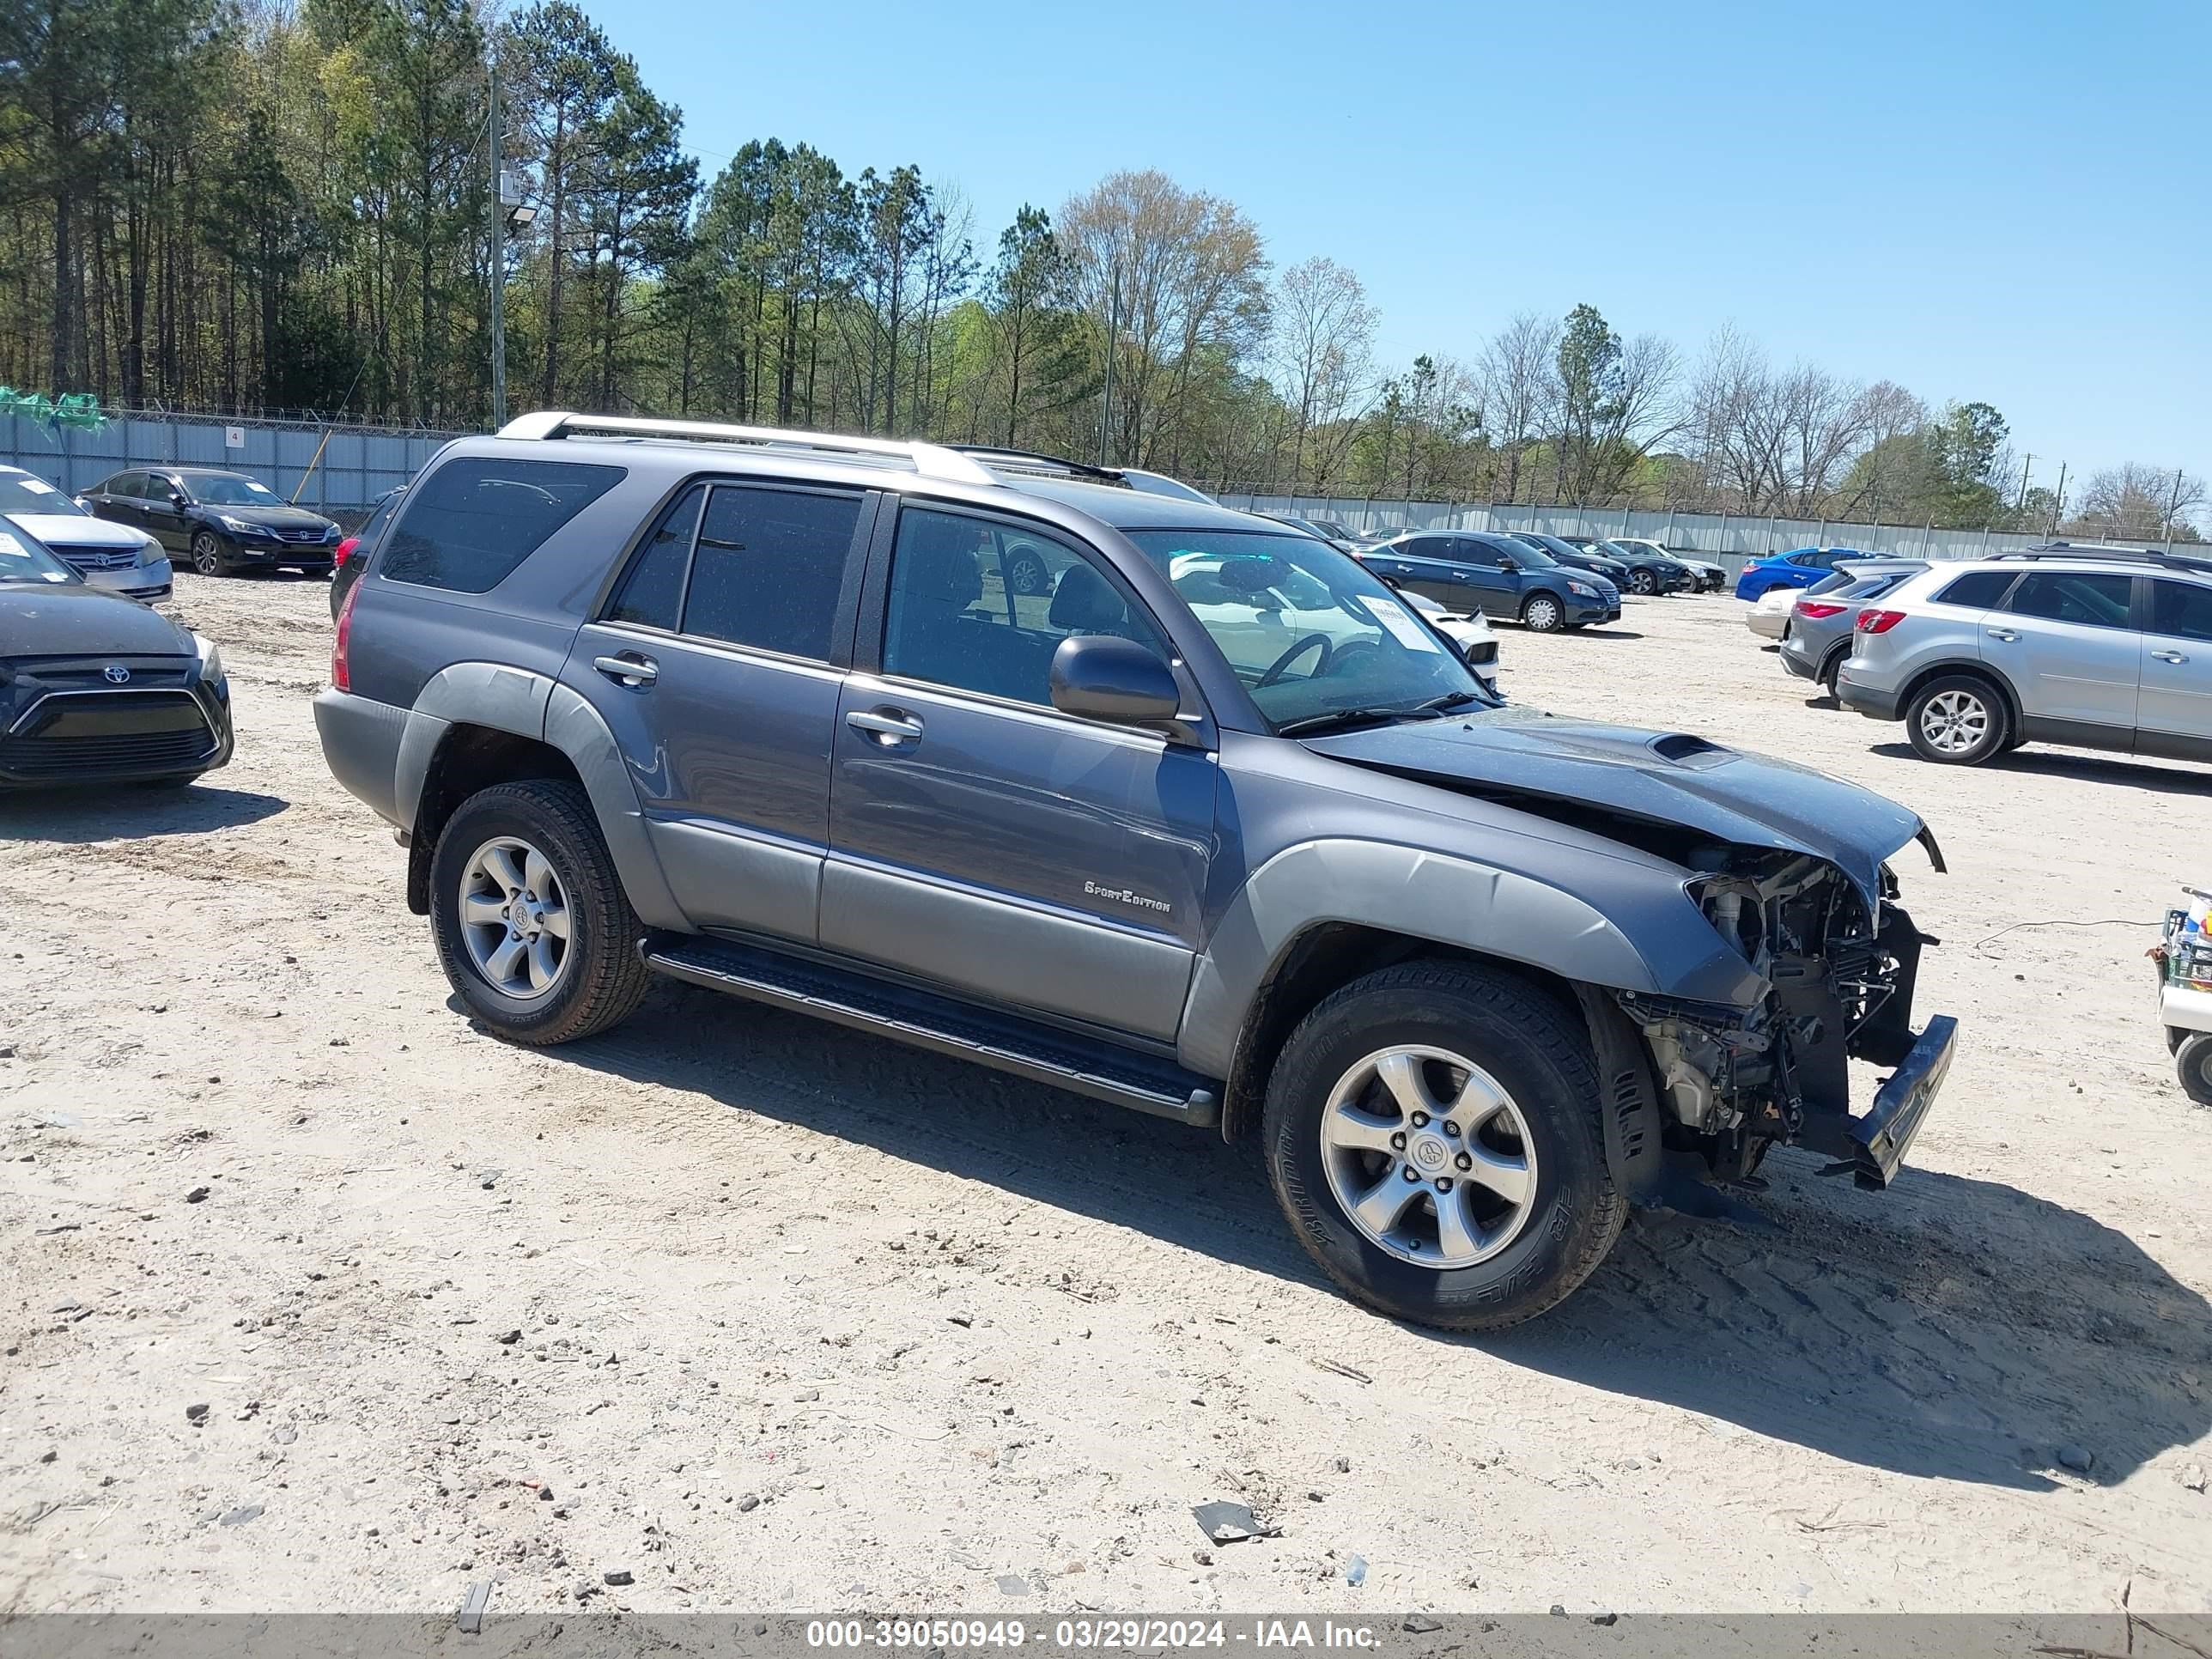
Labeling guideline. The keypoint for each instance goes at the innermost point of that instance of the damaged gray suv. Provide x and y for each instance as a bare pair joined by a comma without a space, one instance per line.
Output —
1161,803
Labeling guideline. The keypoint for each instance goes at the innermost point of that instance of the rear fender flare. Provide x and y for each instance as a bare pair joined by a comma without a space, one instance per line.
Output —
506,699
1972,668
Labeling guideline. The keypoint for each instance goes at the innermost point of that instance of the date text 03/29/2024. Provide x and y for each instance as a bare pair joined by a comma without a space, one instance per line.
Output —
1129,1634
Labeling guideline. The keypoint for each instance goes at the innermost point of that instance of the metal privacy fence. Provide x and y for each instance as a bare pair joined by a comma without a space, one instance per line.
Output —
1725,537
356,466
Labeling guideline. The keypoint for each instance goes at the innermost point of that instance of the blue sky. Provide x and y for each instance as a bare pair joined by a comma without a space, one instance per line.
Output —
2008,202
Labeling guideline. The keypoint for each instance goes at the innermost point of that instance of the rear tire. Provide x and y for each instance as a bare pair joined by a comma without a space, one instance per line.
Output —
1958,720
1511,1076
1543,613
2194,1064
597,980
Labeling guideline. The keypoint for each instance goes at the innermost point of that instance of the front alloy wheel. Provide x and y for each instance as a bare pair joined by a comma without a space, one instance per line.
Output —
1434,1137
1542,614
1428,1156
207,553
1643,583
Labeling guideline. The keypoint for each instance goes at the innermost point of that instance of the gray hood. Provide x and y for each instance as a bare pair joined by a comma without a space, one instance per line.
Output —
1664,778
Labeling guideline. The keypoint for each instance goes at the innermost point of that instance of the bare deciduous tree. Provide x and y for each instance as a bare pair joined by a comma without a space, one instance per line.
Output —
1323,345
1518,375
2139,501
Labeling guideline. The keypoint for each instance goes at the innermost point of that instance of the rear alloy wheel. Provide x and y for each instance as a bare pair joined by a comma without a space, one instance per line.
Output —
207,553
1642,582
1957,720
532,924
1543,615
1433,1132
2194,1063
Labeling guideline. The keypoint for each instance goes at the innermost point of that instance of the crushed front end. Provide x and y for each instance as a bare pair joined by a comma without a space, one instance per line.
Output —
1839,969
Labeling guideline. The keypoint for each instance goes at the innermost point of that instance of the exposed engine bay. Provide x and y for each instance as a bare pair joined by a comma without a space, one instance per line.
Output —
1734,1081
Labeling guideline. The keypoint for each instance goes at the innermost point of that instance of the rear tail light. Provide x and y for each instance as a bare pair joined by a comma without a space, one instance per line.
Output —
1878,622
344,552
1815,610
341,671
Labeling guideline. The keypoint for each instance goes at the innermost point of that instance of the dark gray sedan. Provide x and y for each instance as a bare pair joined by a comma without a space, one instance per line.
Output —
1818,636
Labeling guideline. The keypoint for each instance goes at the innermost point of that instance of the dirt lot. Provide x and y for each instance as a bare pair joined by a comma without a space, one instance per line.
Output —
808,1321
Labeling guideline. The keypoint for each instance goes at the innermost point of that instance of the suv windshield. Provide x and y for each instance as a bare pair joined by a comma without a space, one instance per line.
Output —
220,491
1308,630
22,560
22,493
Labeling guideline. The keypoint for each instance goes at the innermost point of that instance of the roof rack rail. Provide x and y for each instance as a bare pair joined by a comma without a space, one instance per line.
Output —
931,460
2109,555
1017,460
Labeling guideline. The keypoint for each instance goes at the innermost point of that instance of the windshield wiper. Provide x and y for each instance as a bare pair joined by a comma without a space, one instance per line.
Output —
1451,700
1339,717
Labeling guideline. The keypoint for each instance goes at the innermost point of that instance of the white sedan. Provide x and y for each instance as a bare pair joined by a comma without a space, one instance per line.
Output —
1470,633
1768,616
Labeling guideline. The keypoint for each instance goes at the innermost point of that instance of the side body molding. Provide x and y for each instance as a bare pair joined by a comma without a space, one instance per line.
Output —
1403,890
532,706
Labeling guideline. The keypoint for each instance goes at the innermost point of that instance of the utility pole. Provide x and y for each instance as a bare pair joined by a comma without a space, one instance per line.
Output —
2058,503
498,265
2172,506
1113,345
2026,471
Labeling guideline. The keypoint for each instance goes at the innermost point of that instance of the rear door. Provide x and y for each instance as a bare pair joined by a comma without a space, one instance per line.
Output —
716,661
117,499
1423,565
2066,639
2174,709
983,840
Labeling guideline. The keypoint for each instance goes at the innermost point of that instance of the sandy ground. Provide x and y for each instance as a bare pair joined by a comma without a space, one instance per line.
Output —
807,1320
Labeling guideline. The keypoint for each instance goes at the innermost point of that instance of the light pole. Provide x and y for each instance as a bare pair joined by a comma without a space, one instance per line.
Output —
508,211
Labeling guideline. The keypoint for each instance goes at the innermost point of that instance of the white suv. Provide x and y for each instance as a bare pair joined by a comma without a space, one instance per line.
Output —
2098,647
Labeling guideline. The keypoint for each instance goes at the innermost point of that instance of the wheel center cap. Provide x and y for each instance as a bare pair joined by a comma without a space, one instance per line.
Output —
1429,1151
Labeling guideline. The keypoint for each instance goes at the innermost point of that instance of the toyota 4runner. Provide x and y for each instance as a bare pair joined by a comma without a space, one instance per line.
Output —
1135,795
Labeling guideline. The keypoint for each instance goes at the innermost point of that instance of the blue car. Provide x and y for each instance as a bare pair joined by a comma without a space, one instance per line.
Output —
1799,568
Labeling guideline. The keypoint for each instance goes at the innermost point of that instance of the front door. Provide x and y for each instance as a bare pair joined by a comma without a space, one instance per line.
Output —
2067,640
714,663
2173,710
158,511
985,841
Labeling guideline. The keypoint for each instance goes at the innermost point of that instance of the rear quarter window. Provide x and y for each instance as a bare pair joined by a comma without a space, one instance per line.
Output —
469,525
1978,590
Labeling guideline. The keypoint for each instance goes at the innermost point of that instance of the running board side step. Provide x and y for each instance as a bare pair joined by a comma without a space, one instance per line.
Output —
1007,1043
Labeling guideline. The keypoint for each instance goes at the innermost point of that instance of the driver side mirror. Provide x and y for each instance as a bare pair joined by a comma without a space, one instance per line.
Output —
1098,677
1507,562
178,498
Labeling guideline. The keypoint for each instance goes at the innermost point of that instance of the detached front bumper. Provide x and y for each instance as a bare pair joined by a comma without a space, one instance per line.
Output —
1882,1137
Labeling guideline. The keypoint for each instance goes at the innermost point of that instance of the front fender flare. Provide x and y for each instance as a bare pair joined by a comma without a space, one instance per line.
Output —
1400,890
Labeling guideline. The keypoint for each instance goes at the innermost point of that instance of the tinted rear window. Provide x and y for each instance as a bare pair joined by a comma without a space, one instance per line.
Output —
469,525
1978,590
769,568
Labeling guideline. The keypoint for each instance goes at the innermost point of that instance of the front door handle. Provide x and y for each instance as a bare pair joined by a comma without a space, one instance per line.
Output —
628,669
2169,656
886,725
2003,633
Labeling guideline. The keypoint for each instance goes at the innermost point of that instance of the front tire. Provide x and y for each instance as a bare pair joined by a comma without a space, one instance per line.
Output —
1958,720
532,927
1643,583
2194,1064
1432,1134
1543,613
207,554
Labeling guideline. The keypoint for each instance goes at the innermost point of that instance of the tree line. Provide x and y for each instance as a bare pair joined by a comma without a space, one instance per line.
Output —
259,206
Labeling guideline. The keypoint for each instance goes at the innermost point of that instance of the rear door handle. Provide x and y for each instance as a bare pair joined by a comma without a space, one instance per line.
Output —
2169,656
628,669
2004,634
886,725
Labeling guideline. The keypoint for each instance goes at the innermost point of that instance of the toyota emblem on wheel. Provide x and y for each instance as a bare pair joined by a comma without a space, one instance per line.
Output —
118,674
